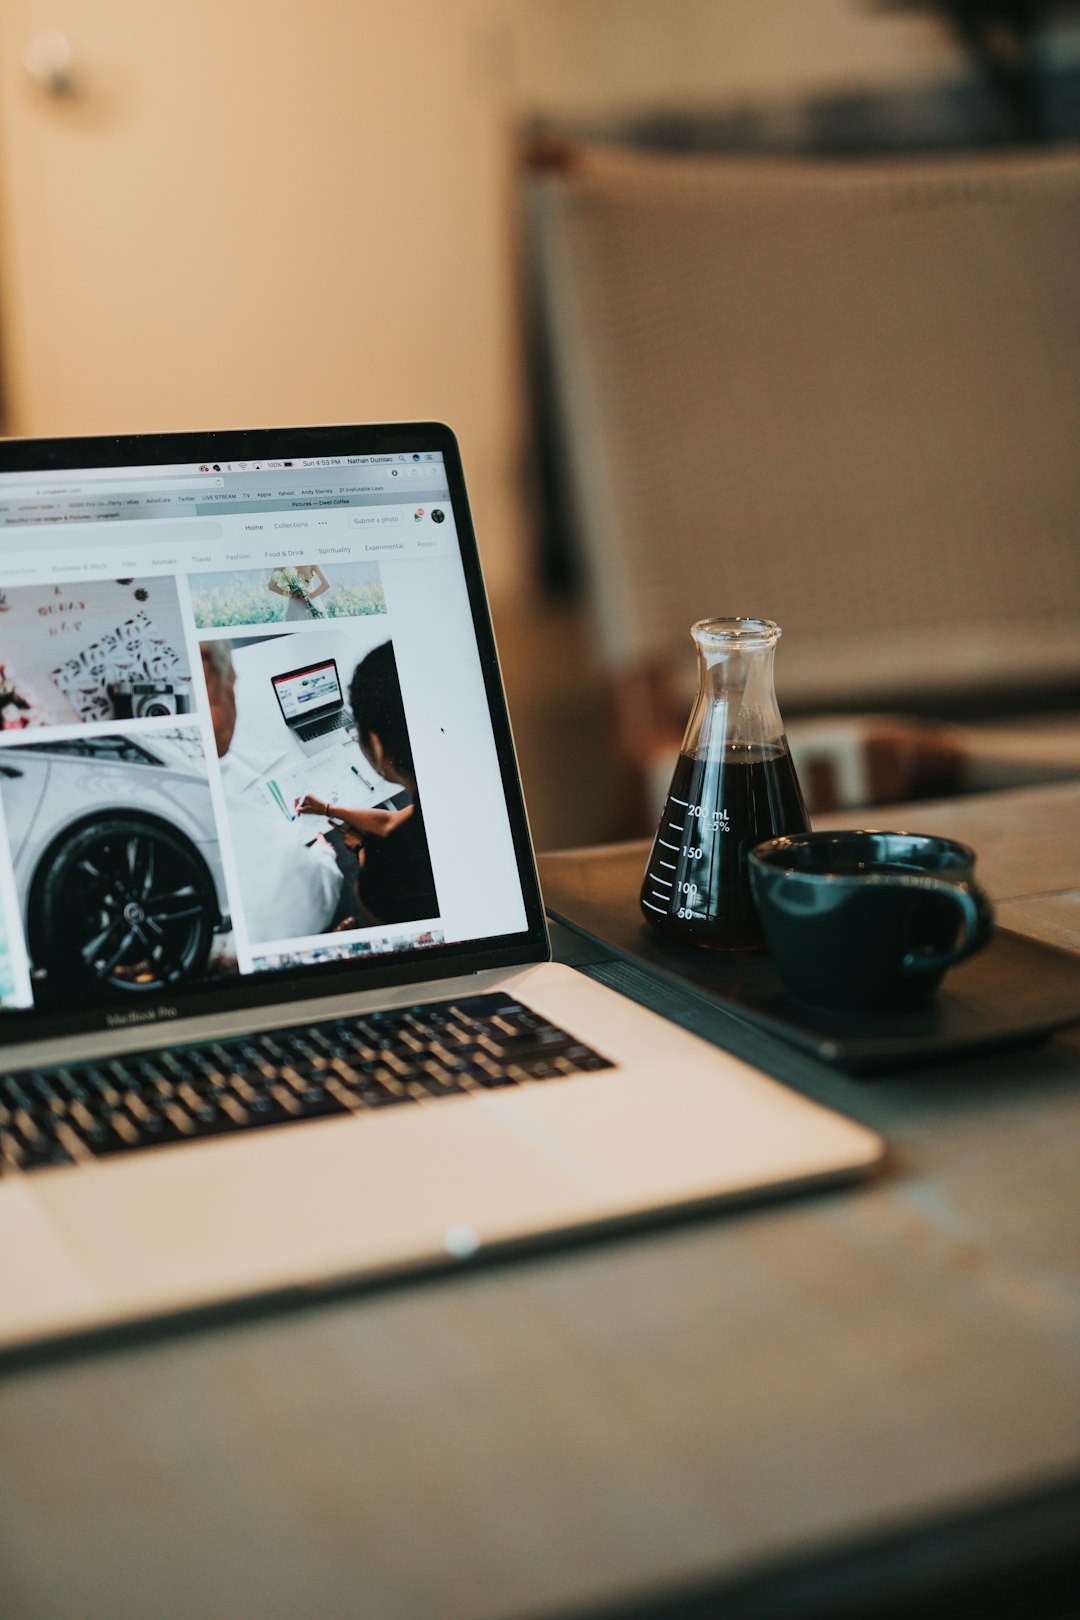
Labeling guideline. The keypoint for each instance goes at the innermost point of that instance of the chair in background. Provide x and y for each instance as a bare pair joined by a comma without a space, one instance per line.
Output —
844,396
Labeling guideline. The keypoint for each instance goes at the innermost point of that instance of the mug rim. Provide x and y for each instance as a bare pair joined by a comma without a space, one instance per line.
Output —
760,855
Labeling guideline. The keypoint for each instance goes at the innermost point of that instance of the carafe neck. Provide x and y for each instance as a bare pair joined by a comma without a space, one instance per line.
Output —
736,699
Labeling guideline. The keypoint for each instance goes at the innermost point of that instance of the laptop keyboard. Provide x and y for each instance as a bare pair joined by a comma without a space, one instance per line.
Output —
406,1056
319,728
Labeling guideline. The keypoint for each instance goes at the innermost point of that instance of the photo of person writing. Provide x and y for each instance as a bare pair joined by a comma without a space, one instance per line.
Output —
303,586
394,881
290,888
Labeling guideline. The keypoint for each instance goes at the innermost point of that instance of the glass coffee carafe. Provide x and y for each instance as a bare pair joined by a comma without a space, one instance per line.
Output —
734,785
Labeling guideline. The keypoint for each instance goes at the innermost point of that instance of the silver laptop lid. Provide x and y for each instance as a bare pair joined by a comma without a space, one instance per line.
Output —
171,606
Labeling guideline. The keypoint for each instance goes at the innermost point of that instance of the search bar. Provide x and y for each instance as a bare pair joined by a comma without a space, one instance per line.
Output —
103,489
114,538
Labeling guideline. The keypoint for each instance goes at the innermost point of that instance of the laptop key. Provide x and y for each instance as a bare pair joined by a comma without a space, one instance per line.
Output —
45,1156
15,1096
11,1150
46,1093
34,1145
207,1116
535,1068
366,1089
439,1082
591,1062
372,1097
101,1089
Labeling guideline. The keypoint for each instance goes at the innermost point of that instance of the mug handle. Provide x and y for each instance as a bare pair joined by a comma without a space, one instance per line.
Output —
978,917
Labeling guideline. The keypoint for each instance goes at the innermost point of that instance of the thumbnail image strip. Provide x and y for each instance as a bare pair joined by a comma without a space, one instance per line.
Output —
346,950
299,593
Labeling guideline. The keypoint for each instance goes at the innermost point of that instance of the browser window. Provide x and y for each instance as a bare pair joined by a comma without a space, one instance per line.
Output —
172,639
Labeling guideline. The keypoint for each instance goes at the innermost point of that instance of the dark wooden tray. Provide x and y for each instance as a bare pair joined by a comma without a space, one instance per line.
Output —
1015,992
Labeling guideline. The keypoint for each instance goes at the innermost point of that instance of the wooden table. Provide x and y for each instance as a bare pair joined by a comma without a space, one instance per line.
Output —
820,1407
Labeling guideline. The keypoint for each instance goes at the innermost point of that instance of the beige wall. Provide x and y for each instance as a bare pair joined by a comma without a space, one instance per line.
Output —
263,212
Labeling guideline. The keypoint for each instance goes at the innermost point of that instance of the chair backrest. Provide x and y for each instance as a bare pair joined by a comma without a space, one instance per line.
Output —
841,395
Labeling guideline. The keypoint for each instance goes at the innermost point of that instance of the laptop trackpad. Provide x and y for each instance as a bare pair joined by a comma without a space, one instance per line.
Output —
312,1201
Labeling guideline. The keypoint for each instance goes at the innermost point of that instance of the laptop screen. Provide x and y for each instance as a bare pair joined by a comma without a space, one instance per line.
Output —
171,609
304,693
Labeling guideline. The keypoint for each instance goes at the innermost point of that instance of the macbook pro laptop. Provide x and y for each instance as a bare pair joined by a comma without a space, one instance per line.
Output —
312,702
233,1060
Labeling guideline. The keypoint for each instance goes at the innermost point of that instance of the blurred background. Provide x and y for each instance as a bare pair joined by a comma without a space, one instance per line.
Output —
737,306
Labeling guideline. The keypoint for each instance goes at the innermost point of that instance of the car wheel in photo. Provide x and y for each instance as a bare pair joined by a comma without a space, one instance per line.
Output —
122,904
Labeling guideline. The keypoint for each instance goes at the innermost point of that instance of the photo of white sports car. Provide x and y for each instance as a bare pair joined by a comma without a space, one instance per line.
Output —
116,861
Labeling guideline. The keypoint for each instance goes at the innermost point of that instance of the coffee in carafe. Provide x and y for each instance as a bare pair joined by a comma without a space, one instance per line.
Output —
734,786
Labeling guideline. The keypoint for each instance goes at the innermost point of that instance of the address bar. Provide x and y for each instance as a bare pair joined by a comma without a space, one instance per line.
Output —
103,489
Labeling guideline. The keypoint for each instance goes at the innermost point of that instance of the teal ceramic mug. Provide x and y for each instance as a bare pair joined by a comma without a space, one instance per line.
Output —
867,921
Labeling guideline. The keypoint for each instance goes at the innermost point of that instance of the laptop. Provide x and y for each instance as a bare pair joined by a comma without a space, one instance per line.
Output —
312,702
232,1063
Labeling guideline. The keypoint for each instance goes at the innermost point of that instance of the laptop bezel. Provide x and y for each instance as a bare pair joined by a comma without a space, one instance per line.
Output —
420,967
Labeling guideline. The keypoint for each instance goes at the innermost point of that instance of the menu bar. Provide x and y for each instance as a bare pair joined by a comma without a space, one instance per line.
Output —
209,469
